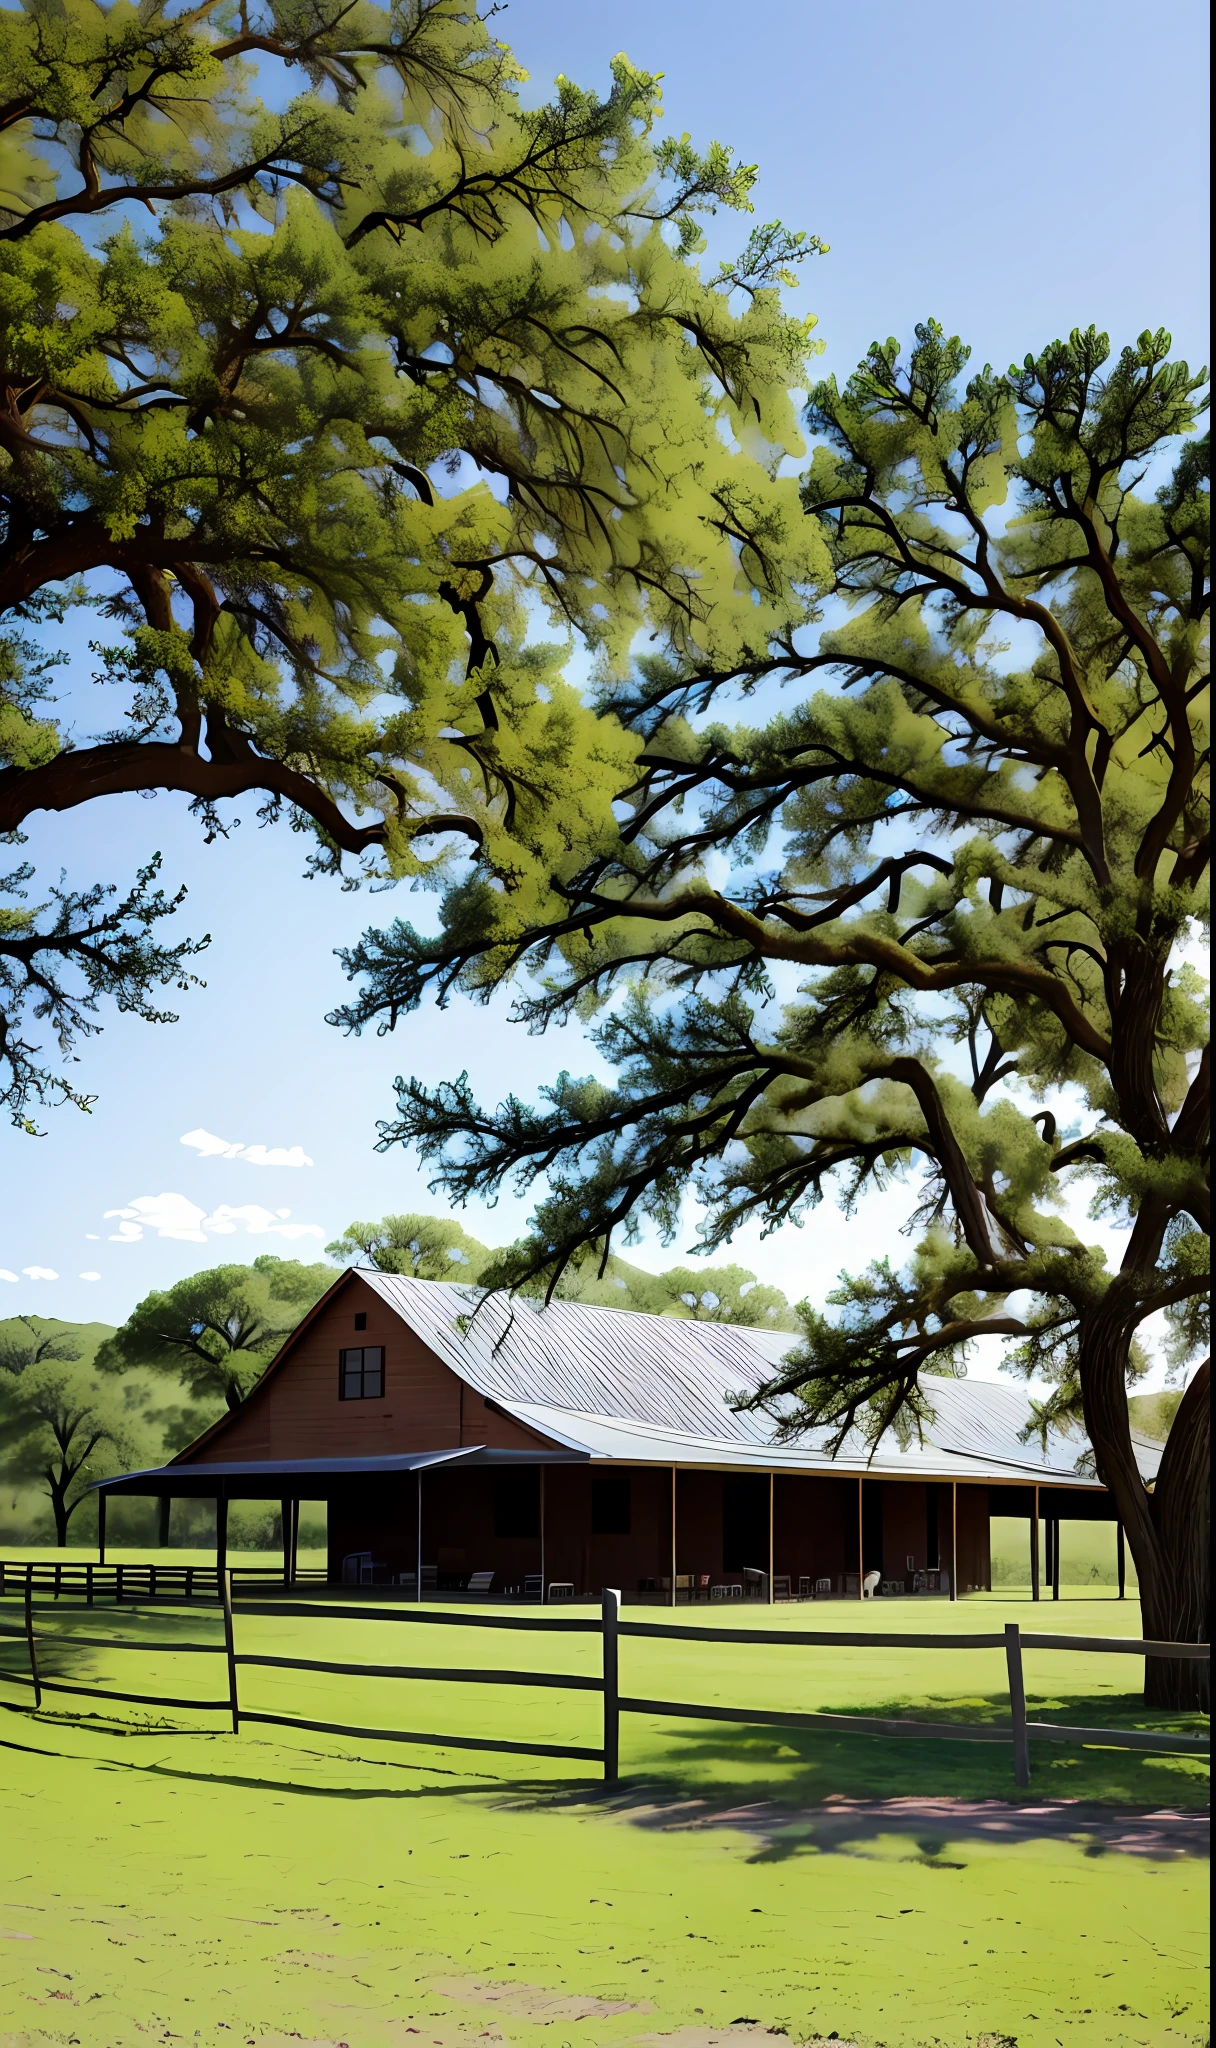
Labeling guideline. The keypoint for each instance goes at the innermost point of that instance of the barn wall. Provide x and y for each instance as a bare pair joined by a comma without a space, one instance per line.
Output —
295,1412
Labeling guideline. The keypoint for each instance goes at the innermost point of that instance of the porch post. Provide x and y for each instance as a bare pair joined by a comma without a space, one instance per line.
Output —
543,1588
861,1553
770,1539
673,1536
1120,1552
221,1533
285,1518
165,1504
101,1528
295,1537
1055,1557
1034,1548
418,1581
954,1539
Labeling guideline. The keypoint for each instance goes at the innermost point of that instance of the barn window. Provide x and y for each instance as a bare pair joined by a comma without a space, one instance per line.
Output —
361,1320
361,1374
517,1501
610,1503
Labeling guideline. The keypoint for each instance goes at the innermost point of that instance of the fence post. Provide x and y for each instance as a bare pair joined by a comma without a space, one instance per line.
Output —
1017,1703
230,1650
610,1615
29,1638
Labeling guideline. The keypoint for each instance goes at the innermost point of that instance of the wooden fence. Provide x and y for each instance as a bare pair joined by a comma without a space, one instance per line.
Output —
161,1582
1018,1731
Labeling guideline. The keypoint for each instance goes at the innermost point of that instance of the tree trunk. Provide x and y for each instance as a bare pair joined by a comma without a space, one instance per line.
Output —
1178,1608
60,1512
1167,1530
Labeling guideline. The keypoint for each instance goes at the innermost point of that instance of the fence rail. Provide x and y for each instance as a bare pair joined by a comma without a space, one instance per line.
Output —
169,1582
1018,1731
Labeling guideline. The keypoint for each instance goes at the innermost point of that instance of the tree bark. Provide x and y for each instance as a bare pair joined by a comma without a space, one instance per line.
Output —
1179,1607
1167,1530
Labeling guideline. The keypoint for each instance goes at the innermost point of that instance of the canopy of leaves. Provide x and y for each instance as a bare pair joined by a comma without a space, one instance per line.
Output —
317,402
986,809
216,1331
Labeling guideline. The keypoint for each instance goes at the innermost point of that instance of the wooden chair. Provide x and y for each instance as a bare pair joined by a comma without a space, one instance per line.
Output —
781,1586
480,1582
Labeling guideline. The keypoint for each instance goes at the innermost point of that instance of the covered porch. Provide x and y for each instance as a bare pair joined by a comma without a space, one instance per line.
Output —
557,1524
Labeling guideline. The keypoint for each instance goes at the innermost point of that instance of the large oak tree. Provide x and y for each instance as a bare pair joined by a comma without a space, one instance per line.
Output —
967,854
329,371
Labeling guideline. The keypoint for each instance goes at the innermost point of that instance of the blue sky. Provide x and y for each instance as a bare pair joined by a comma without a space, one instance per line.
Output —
1013,175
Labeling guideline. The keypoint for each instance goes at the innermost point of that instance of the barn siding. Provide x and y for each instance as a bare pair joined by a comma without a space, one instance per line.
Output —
294,1412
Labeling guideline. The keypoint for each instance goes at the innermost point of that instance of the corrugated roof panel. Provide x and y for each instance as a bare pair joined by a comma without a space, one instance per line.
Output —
622,1384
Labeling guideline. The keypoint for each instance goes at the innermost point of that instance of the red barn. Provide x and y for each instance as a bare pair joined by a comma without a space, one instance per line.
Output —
565,1448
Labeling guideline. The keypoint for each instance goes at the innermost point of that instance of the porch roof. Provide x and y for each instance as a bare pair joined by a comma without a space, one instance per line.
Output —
269,1478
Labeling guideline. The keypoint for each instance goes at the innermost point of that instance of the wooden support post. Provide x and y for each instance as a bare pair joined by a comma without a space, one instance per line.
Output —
610,1610
165,1505
230,1650
673,1536
418,1546
1017,1703
954,1539
101,1528
221,1536
861,1549
295,1541
543,1589
1121,1556
1034,1548
30,1644
285,1519
1055,1557
88,1585
770,1539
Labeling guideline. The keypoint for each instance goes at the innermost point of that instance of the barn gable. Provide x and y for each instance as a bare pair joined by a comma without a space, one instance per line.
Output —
295,1411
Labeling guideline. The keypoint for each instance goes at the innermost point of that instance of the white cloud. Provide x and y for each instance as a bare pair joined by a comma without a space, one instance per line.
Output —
171,1215
91,1237
90,1276
208,1146
40,1273
6,1275
168,1215
258,1222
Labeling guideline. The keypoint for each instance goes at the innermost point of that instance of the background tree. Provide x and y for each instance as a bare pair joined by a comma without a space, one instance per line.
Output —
425,1247
62,1427
308,406
217,1331
437,1248
726,1294
990,831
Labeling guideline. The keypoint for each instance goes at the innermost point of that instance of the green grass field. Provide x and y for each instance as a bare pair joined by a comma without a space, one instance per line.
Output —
165,1880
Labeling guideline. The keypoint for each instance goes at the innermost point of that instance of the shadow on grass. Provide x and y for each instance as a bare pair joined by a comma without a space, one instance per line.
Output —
809,1765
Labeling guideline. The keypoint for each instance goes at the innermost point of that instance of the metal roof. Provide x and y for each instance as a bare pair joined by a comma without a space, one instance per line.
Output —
622,1385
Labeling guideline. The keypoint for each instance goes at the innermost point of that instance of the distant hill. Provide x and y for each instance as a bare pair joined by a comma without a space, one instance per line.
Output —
18,1334
1152,1414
